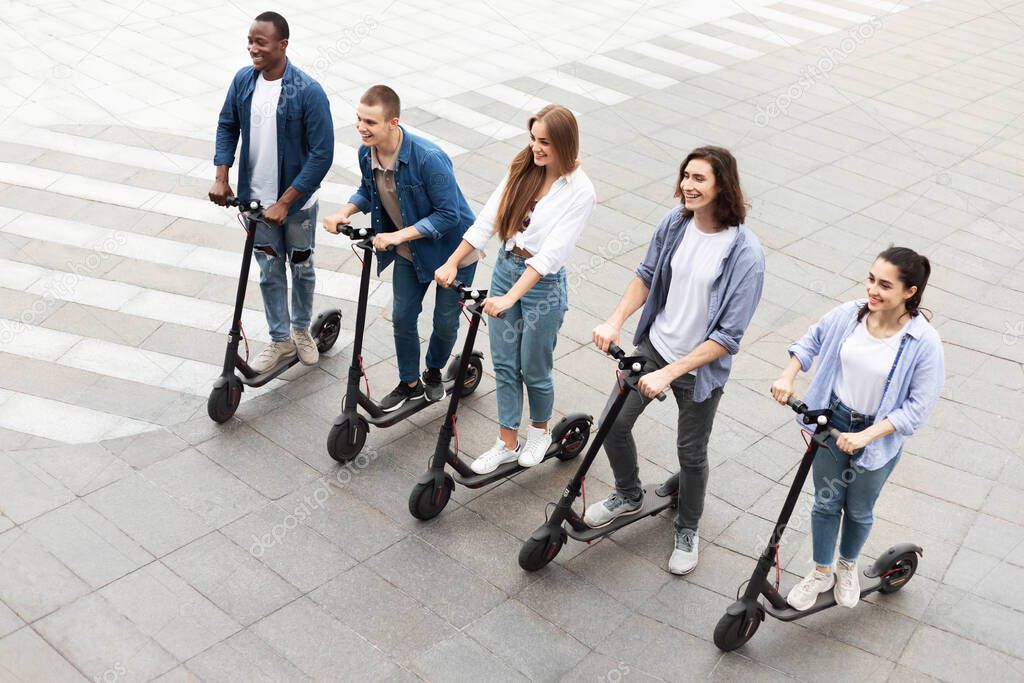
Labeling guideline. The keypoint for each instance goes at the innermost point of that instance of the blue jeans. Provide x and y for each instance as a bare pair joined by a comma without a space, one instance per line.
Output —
405,313
523,341
295,241
844,491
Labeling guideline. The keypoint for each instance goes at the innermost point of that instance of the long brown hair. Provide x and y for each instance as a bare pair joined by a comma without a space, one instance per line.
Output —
525,178
730,208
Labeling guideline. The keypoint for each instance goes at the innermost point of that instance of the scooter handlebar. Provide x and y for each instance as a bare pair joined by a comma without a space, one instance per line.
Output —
796,404
618,354
467,291
615,352
246,205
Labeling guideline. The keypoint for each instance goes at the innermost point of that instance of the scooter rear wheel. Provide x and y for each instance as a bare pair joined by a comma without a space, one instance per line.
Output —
325,330
732,631
427,499
345,441
223,402
903,570
574,440
540,549
474,373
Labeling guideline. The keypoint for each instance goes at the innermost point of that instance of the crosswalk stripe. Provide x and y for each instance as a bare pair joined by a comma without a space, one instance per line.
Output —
526,103
882,5
630,72
129,363
759,32
450,148
674,58
169,252
141,157
64,422
712,43
472,119
129,299
791,20
579,86
829,10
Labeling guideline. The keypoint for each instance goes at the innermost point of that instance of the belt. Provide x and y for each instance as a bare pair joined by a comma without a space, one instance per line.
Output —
522,253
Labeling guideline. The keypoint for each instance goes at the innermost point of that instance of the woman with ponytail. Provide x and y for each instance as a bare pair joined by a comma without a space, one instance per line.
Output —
539,212
880,370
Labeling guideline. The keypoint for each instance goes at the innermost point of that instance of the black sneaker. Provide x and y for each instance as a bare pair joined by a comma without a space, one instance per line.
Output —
434,385
402,393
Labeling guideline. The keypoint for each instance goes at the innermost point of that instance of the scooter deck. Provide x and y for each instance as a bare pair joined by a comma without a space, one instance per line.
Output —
653,504
504,470
825,600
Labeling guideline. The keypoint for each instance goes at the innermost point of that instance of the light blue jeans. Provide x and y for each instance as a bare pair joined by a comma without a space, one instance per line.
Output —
405,312
294,240
844,492
523,341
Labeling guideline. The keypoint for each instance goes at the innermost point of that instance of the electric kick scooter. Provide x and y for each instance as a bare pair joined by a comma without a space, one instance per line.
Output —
227,389
544,543
348,435
890,572
433,490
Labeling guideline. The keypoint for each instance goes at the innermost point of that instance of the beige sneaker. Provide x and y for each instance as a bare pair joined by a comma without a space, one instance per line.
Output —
803,595
272,354
847,583
305,345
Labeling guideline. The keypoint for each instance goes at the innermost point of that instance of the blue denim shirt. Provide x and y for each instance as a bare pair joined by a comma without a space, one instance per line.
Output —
305,132
735,293
916,382
430,201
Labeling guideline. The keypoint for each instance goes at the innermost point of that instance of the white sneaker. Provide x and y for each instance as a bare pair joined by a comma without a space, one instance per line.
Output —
803,595
684,555
847,583
604,512
272,354
537,443
499,454
306,347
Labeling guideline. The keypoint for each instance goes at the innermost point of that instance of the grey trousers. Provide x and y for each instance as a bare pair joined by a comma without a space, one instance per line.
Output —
694,430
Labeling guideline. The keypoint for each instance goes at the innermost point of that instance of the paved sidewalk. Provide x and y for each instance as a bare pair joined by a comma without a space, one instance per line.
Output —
140,541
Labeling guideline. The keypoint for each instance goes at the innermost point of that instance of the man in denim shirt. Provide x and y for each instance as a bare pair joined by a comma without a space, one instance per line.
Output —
418,216
699,285
284,121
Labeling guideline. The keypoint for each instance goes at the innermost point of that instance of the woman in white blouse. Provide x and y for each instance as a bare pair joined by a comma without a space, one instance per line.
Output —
539,211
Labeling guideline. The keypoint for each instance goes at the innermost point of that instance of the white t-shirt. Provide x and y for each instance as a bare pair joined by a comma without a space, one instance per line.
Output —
864,363
682,324
263,142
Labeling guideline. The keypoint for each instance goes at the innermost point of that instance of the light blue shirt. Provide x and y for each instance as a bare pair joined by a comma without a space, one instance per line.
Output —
912,392
735,293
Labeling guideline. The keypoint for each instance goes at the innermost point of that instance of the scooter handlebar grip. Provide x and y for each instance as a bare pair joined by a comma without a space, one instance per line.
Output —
796,404
615,352
661,396
834,433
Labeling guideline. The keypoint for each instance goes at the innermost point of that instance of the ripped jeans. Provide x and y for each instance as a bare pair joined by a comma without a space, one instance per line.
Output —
293,240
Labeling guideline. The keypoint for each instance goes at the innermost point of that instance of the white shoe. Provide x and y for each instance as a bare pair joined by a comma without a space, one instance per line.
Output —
803,595
847,583
499,454
272,354
684,555
604,512
537,443
306,347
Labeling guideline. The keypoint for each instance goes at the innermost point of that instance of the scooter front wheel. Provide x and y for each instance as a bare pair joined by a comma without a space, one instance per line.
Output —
540,548
428,499
346,439
734,630
223,401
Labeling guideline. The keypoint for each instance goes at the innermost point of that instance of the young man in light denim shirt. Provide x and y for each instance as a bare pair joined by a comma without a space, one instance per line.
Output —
284,121
699,285
418,215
